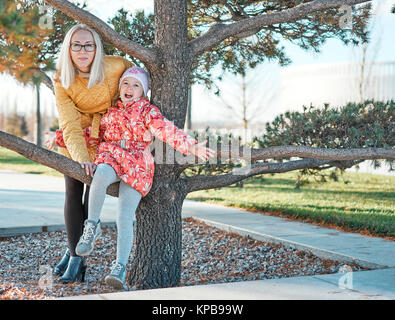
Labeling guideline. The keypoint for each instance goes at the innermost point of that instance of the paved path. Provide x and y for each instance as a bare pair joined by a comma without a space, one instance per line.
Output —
32,203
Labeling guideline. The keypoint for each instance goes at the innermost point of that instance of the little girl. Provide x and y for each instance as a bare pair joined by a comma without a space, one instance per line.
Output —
124,155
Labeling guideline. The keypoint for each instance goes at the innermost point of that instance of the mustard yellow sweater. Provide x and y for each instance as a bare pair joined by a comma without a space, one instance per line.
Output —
80,107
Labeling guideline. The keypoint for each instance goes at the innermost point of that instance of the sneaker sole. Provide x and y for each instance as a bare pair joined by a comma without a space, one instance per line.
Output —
115,283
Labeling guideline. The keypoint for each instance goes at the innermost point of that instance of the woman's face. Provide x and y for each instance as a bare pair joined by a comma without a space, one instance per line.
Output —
82,57
130,89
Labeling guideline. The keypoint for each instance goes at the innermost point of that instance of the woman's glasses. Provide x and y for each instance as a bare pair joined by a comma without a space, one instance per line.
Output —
90,47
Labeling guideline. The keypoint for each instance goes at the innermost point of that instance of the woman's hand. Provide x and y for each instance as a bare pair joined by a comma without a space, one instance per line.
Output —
50,139
89,168
201,151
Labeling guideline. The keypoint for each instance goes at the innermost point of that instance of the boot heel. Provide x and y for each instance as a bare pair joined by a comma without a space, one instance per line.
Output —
83,273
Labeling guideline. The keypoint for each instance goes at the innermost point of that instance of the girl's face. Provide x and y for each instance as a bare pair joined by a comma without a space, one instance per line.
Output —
82,57
130,89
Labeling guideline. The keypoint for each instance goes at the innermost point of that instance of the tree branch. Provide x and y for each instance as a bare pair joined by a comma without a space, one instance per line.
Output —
321,153
48,82
146,55
343,158
247,27
225,152
50,159
228,152
209,182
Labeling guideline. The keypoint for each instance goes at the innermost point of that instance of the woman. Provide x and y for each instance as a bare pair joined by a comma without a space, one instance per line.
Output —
85,85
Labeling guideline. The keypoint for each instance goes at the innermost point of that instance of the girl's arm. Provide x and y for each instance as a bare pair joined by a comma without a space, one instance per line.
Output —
165,130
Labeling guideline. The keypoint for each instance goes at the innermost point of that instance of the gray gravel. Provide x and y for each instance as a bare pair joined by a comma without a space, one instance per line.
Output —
209,255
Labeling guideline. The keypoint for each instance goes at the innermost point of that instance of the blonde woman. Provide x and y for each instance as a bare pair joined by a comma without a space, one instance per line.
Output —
85,85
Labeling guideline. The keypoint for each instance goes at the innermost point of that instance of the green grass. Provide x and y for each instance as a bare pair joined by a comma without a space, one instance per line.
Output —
10,160
366,204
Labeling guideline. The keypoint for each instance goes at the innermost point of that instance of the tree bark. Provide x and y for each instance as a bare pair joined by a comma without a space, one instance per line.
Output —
38,117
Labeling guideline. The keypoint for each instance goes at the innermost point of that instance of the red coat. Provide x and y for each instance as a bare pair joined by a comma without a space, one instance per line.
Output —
137,122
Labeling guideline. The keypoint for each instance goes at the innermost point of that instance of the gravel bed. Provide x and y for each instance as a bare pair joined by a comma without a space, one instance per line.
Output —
209,256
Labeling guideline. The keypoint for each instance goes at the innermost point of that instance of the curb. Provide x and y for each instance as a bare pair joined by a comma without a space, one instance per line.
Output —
18,231
321,253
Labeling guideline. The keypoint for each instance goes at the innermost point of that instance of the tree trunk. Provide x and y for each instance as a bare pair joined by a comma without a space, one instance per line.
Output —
38,117
188,121
157,261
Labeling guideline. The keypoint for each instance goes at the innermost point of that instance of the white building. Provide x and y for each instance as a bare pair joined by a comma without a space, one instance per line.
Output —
336,84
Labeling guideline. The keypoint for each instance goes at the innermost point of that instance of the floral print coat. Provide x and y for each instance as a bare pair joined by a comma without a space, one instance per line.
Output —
136,122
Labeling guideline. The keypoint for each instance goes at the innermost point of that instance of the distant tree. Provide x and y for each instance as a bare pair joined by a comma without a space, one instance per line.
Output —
248,97
16,124
23,125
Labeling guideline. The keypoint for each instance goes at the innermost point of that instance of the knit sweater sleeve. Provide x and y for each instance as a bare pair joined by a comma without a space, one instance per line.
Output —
166,131
70,123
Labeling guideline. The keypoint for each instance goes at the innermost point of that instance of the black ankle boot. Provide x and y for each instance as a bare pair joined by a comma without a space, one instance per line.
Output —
62,265
75,270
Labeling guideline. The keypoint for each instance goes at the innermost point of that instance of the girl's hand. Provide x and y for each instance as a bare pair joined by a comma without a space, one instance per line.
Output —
89,168
201,151
50,139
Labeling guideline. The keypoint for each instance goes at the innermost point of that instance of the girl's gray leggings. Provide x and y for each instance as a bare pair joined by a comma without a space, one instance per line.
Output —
128,201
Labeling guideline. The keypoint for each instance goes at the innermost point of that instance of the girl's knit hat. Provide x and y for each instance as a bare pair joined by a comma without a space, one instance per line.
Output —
137,73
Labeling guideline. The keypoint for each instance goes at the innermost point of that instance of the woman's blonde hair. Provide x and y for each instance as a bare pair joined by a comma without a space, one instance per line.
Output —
66,66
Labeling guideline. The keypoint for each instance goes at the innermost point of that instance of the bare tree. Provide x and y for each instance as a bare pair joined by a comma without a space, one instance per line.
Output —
157,260
366,56
249,96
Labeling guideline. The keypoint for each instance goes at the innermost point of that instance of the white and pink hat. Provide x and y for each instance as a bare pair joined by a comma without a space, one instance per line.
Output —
137,73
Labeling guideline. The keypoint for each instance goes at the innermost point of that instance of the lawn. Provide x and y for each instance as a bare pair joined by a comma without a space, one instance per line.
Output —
10,160
365,204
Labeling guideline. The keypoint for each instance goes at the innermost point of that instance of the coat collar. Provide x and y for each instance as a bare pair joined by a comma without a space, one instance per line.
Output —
121,105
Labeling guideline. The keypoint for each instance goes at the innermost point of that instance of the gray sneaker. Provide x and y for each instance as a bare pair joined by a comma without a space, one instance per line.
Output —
92,232
117,277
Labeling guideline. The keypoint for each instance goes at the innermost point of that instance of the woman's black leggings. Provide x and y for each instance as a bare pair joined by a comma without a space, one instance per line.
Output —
75,211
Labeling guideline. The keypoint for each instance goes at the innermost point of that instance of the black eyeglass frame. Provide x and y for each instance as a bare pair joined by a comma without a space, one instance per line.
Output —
85,46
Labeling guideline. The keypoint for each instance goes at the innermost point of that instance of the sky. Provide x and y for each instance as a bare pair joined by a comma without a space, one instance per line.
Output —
205,105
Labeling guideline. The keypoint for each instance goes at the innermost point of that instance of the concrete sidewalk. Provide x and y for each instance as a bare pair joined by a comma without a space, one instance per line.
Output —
34,203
